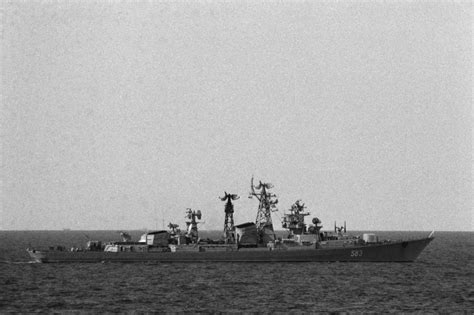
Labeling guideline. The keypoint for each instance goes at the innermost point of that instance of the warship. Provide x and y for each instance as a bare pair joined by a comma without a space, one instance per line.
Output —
247,242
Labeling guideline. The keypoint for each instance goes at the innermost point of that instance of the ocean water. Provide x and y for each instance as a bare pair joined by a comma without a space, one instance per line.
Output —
440,281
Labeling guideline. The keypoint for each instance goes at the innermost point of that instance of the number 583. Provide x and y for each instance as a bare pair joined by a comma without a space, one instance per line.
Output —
356,253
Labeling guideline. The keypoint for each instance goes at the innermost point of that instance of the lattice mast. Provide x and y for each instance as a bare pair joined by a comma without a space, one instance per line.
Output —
267,205
229,235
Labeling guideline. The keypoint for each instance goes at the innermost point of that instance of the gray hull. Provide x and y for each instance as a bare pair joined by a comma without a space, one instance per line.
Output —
402,251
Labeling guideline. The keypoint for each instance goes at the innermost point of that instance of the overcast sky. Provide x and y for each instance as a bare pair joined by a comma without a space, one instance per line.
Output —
120,115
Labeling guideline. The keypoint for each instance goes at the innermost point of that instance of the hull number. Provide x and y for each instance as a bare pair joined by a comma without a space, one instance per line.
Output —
356,253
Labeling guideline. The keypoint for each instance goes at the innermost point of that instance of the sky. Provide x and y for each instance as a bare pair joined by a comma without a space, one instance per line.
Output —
122,114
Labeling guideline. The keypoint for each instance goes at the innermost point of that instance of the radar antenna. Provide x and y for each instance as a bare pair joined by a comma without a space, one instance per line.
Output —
191,224
174,229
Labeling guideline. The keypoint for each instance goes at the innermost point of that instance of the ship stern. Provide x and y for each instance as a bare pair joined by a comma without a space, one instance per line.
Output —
36,255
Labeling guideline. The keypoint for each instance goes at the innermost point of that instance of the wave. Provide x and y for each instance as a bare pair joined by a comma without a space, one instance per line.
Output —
16,262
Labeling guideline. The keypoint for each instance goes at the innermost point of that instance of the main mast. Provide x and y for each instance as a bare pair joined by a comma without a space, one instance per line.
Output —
267,204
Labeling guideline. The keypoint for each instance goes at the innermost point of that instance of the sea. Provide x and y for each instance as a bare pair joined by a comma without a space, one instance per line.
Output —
441,280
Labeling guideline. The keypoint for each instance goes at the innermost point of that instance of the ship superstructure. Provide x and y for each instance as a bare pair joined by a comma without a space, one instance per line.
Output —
294,221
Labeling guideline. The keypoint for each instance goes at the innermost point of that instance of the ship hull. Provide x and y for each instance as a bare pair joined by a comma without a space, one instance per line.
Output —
402,251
